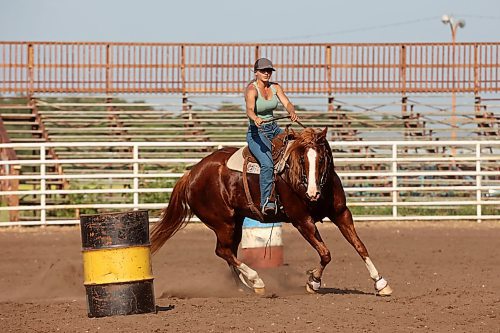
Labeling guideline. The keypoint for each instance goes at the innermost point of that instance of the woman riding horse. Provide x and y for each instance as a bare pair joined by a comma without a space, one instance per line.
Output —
309,188
261,97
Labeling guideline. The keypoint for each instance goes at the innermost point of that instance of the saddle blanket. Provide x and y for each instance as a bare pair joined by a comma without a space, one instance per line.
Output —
237,160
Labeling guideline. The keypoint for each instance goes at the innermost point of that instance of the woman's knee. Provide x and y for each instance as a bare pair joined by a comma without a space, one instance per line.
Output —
266,162
266,171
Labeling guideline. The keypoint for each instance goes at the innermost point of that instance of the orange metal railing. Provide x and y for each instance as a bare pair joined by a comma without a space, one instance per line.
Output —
321,69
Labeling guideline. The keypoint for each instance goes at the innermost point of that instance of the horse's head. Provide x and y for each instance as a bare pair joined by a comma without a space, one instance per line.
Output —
310,163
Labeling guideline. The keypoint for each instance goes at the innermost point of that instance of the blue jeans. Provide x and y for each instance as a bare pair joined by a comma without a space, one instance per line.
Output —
260,147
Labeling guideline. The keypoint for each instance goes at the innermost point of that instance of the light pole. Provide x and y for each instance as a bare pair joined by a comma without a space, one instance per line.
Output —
454,25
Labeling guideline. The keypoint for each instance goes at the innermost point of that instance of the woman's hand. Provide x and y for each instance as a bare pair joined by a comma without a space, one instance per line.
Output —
294,117
258,121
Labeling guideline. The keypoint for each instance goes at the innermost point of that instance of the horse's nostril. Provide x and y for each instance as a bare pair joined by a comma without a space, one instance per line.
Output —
316,196
313,197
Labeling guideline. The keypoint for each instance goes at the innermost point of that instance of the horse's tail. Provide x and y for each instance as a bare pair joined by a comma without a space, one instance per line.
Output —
173,217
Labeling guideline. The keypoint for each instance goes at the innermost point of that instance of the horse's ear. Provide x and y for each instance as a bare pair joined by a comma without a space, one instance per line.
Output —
292,135
322,135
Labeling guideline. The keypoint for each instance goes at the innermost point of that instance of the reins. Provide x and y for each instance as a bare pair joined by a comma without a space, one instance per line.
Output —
286,127
282,117
281,152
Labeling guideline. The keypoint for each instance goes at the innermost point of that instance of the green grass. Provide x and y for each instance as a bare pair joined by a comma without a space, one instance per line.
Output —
423,211
4,216
162,197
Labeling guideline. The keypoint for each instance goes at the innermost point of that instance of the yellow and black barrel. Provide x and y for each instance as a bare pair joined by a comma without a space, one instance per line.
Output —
117,270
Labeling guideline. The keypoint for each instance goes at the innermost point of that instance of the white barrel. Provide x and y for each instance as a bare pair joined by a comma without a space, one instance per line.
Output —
261,244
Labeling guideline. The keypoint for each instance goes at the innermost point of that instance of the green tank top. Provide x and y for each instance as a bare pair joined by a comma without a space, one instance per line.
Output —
264,108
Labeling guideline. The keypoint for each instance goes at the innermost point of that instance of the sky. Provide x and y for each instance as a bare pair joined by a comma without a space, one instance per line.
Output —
237,21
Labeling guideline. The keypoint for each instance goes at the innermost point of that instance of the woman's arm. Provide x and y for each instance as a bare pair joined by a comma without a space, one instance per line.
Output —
286,103
250,98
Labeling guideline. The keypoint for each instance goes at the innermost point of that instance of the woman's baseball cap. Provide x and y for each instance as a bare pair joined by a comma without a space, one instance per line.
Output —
263,63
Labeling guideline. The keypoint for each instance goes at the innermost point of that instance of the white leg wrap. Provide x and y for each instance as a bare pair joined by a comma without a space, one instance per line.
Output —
371,268
252,278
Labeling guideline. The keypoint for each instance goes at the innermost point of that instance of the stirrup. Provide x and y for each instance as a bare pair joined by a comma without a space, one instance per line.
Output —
269,208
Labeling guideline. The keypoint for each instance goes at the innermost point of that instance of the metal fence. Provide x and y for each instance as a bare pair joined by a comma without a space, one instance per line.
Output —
407,181
181,68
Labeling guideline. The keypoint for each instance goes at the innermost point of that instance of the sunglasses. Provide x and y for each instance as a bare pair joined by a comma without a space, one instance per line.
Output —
265,70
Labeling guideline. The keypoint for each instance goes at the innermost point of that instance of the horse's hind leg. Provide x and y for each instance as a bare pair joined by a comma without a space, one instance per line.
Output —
237,234
227,248
343,220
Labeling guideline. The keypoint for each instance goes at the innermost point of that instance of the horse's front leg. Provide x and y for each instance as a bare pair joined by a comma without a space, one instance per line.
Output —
309,231
343,219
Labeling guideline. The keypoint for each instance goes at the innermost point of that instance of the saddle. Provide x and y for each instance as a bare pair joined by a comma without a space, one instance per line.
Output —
241,157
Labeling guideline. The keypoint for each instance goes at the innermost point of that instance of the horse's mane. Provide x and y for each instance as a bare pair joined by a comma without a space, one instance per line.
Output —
306,137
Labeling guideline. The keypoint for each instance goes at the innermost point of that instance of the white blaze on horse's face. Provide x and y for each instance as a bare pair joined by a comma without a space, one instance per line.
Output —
312,187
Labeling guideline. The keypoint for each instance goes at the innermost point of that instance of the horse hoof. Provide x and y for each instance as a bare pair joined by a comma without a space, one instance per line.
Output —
386,291
309,289
259,291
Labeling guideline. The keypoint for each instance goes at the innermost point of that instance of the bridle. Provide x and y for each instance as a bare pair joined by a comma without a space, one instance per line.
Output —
286,128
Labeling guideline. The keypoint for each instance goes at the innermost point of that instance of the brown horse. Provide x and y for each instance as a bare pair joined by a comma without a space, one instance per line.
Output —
308,188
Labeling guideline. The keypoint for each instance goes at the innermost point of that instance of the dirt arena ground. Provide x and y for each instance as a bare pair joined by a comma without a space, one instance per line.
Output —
445,276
